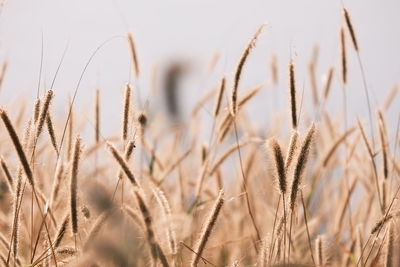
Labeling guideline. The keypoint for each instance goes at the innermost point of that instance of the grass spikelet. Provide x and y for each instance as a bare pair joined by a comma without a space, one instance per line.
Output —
263,253
17,145
239,69
391,95
319,253
343,56
61,232
155,248
68,251
212,219
274,69
50,129
127,155
7,174
382,222
70,130
328,82
390,247
292,89
382,137
123,164
74,185
384,194
125,121
279,165
312,65
350,28
166,210
132,48
97,117
291,149
59,174
3,72
36,110
17,195
218,101
43,112
300,165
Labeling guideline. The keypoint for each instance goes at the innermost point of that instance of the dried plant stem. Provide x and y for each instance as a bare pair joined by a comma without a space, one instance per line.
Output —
244,186
212,219
155,248
371,156
306,223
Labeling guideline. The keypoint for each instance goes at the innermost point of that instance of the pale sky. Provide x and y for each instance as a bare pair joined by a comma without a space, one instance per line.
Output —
192,31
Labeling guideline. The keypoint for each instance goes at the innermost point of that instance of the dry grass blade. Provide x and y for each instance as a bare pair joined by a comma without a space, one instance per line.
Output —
212,219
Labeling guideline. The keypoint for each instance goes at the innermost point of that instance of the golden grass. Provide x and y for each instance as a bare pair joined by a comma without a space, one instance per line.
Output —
289,196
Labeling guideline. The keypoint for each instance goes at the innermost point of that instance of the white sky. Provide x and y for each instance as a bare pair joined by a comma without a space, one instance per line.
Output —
192,31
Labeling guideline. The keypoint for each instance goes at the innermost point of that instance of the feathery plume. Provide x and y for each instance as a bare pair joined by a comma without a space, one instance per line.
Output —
74,185
212,219
127,101
279,165
239,68
292,88
300,165
351,29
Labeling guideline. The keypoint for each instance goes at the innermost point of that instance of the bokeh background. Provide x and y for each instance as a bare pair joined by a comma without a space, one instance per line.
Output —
191,32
